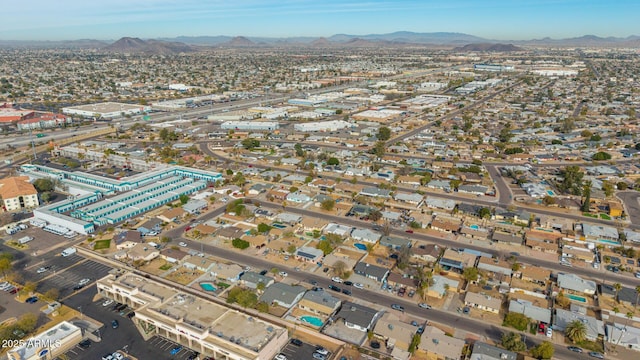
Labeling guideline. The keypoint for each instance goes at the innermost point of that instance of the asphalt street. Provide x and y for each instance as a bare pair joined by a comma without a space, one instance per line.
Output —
631,200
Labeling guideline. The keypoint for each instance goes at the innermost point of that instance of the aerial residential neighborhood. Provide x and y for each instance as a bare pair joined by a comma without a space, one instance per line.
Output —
340,198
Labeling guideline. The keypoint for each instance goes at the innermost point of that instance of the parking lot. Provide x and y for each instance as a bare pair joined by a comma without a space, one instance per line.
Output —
167,346
302,352
63,273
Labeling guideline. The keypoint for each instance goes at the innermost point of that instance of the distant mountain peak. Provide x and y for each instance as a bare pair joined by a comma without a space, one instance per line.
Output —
139,46
240,41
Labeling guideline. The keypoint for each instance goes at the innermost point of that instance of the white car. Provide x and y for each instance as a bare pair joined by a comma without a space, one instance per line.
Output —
118,356
107,302
42,269
424,306
5,285
280,357
84,281
358,286
283,273
336,279
549,332
183,244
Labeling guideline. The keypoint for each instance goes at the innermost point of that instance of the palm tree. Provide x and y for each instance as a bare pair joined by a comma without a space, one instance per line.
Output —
617,287
576,331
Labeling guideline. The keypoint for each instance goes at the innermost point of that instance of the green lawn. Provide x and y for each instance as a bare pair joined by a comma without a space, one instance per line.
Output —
590,215
102,244
166,266
605,217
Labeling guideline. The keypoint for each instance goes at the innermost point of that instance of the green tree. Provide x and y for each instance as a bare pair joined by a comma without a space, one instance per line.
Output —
601,155
328,204
384,133
240,244
184,199
264,228
571,180
617,287
298,148
325,246
516,320
513,342
548,200
485,213
52,294
380,149
415,341
43,185
543,351
333,161
250,143
470,274
291,249
586,191
5,263
576,331
621,185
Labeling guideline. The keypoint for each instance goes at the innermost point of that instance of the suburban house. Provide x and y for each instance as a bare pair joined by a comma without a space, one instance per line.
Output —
172,215
365,235
230,233
563,318
440,204
506,238
457,260
143,252
227,272
483,302
319,302
198,263
288,218
282,294
356,316
535,274
151,225
497,266
172,255
531,311
374,272
624,336
127,239
395,333
394,242
395,279
428,253
251,280
484,351
194,206
575,283
441,285
309,254
439,346
298,197
445,225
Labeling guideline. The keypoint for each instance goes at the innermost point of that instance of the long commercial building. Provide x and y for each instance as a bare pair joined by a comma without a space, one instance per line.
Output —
211,329
47,344
107,110
139,194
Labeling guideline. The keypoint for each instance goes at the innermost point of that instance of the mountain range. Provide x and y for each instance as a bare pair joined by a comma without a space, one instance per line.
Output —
396,39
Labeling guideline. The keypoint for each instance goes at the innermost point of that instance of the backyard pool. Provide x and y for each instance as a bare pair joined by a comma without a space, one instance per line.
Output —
279,226
474,227
207,286
360,246
577,298
610,242
312,320
550,193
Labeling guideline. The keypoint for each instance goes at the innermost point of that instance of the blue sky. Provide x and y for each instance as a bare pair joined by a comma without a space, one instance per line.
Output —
492,19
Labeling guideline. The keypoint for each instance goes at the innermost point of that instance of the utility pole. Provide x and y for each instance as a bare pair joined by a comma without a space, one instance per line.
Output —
33,144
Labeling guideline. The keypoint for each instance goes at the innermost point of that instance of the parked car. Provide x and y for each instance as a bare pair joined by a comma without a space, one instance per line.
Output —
283,273
549,332
78,287
375,344
466,310
182,243
107,302
84,281
348,283
319,356
280,357
115,324
43,269
14,290
346,291
336,279
84,343
575,349
296,342
334,288
358,286
596,355
32,300
118,356
397,307
175,350
321,350
424,306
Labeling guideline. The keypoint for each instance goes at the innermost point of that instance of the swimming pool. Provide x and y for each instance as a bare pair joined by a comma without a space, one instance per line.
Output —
312,320
611,242
577,298
474,227
360,246
207,286
279,226
550,193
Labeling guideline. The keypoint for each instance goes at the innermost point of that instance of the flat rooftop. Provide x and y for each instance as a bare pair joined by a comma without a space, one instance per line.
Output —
106,107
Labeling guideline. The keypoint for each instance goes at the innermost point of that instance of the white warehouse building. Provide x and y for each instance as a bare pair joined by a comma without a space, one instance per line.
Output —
333,125
250,125
107,110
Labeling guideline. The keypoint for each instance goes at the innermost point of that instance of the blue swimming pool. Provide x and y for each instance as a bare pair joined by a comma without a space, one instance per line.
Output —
207,286
312,320
577,298
550,193
279,226
474,227
360,246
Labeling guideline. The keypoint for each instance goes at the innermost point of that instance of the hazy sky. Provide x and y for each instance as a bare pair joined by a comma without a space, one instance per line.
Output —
493,19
